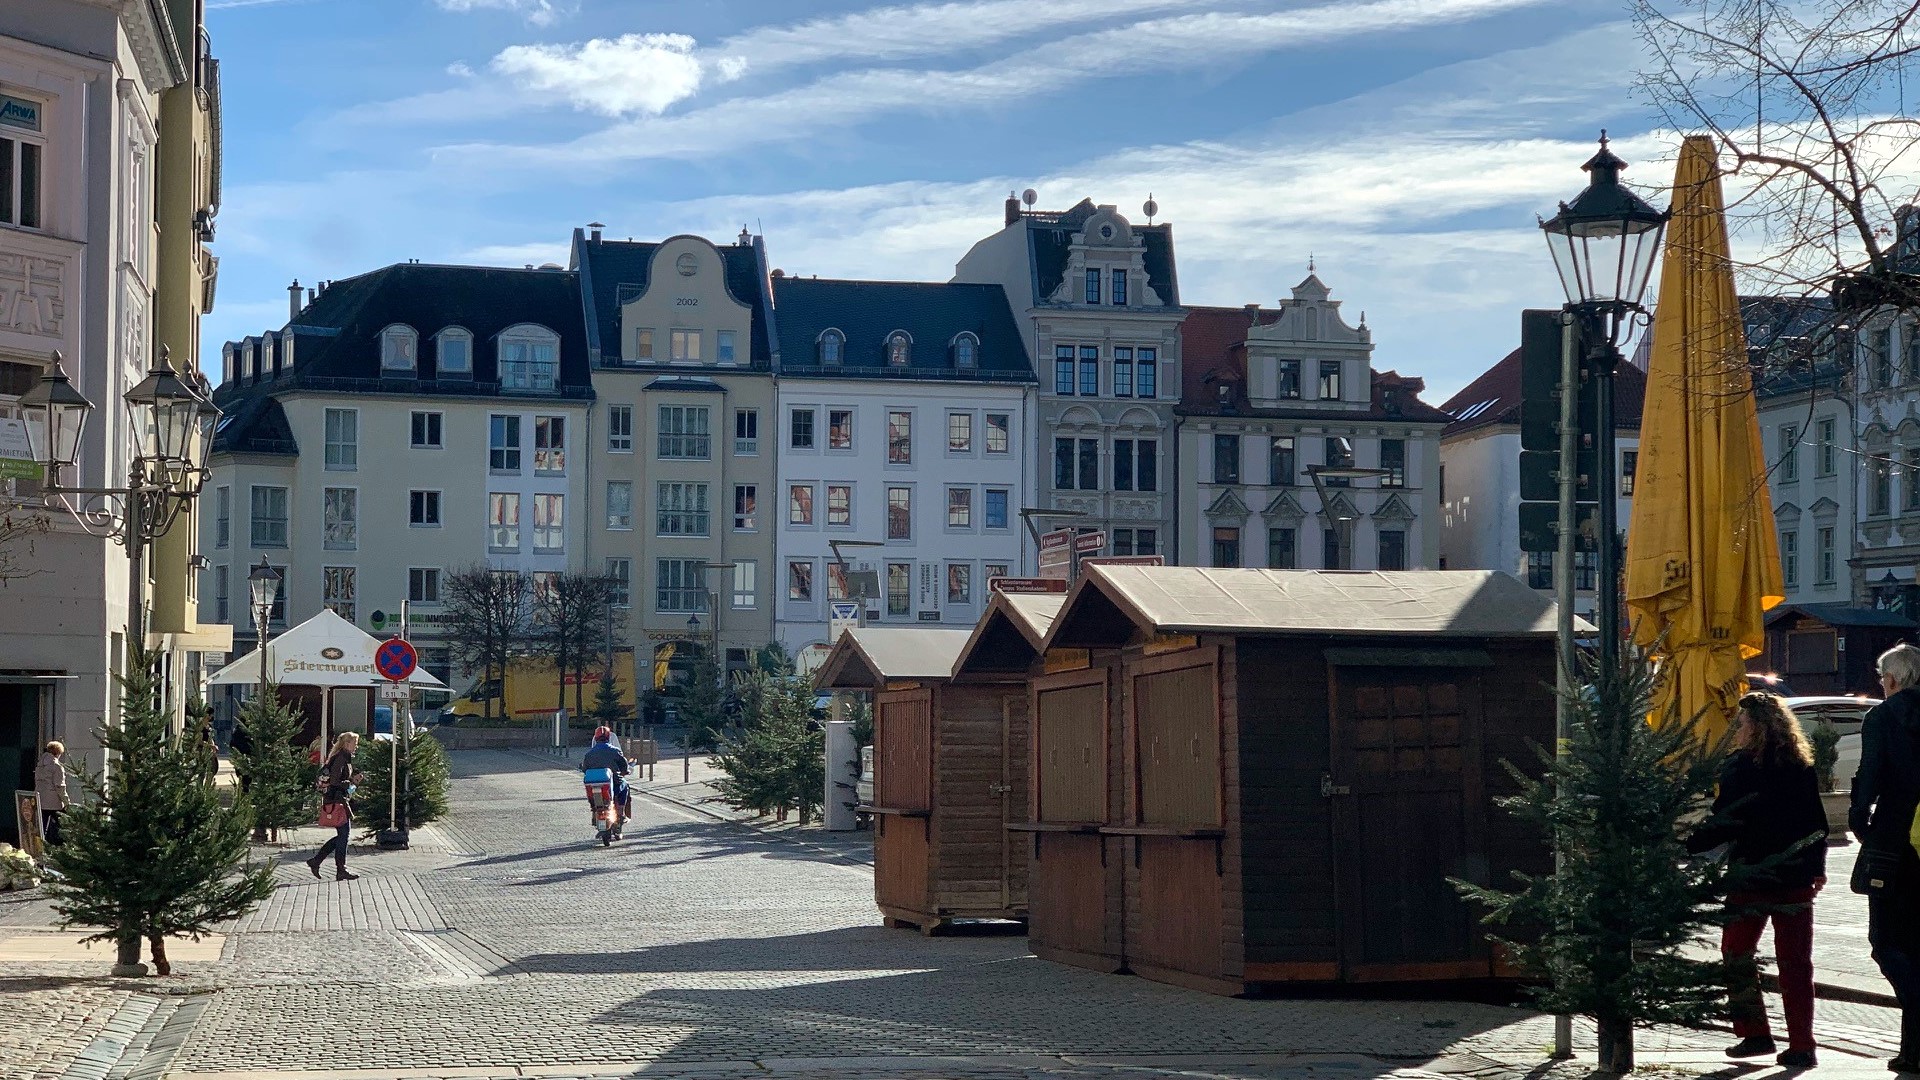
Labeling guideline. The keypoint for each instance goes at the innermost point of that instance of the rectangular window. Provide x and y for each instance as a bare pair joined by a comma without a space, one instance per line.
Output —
1122,372
1392,553
684,345
839,429
1539,569
899,588
800,429
1629,464
899,513
343,439
679,585
620,576
423,509
682,509
423,584
1882,346
1879,486
899,438
998,427
1910,480
277,614
620,504
1790,559
1089,371
1226,459
1911,333
993,570
1393,458
643,343
1338,455
503,521
269,517
222,516
528,364
1146,541
20,175
1827,450
1146,374
1789,453
1282,464
723,346
1329,380
1119,293
1226,547
746,585
1282,549
1289,382
503,444
800,580
839,504
1063,370
549,445
800,504
684,432
995,508
549,523
746,432
836,580
959,583
620,429
456,354
1333,552
959,508
222,601
427,430
337,591
960,433
1825,539
1123,465
746,506
1093,286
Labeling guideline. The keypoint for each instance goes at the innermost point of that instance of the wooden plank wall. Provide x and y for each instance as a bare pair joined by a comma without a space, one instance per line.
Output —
1074,884
1019,736
1517,702
969,830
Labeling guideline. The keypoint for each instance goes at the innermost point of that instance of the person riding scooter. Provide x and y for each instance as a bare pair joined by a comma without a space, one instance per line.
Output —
605,755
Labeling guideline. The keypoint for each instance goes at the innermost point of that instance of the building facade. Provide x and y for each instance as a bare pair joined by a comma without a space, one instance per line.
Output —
683,447
404,425
905,419
1098,302
109,151
1270,397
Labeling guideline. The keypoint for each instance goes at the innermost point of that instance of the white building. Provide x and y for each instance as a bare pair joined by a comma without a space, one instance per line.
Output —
904,421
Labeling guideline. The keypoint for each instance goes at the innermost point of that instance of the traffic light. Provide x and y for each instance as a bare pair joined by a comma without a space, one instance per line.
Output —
1541,343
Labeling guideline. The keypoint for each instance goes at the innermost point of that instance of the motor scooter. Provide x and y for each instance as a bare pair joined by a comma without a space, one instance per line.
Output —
603,805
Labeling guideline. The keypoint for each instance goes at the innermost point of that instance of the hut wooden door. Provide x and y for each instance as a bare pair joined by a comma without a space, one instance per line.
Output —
1068,876
1408,814
1175,924
903,795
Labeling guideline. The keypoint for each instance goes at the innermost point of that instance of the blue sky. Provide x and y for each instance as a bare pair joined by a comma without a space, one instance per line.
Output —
1406,144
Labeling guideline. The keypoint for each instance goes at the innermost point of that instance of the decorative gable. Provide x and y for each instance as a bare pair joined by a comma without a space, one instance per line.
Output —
1340,506
1229,507
1393,508
1284,507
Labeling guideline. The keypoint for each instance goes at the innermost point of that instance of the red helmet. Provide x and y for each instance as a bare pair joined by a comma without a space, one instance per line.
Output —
602,734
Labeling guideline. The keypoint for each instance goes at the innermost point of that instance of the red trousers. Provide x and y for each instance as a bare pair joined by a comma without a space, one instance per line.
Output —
1793,953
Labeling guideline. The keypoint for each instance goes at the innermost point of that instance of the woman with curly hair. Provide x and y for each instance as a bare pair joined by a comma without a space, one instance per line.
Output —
1769,811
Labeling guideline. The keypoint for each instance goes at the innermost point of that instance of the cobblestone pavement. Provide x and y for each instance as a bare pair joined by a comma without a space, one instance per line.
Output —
510,944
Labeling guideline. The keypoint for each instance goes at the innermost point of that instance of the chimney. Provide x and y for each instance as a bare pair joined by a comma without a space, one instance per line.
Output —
593,231
293,300
746,238
1013,207
310,295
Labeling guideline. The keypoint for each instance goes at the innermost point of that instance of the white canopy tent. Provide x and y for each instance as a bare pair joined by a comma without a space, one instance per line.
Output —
326,651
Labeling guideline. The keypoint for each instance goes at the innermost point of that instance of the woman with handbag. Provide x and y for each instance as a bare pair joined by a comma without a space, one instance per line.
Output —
1768,808
337,779
1886,795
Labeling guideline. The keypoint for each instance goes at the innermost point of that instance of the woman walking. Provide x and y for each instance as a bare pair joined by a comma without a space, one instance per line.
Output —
1886,791
50,788
338,776
1769,801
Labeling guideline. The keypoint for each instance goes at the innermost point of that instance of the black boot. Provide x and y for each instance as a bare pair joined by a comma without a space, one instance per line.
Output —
313,864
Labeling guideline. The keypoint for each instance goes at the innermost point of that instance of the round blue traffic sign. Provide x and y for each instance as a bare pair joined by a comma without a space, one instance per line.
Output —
396,659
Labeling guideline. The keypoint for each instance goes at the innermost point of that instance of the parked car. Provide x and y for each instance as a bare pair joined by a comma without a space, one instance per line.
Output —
1771,683
1844,713
1849,761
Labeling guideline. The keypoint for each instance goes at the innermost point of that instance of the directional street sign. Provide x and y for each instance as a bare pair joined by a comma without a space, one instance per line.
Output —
1541,344
395,659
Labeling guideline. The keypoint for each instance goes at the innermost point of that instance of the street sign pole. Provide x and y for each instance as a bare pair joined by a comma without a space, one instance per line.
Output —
1563,588
395,660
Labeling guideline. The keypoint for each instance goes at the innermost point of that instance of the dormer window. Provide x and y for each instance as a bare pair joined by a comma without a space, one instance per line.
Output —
833,346
399,345
455,348
227,374
529,358
966,351
899,349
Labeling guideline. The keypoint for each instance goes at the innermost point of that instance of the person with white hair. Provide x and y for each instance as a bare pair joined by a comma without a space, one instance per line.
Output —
1886,796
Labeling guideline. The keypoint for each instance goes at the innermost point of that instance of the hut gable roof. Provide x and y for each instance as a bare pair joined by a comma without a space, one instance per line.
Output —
868,657
1008,637
1113,605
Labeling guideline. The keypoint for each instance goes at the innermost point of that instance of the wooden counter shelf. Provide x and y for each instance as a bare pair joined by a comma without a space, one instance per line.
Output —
1084,828
894,811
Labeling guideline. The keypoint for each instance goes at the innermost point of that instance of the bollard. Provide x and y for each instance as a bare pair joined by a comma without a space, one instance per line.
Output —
843,777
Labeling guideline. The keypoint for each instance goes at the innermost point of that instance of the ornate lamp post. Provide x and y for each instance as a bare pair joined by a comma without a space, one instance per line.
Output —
263,586
1604,244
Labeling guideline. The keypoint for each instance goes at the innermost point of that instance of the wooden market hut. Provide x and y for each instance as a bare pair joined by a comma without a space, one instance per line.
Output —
1295,765
940,775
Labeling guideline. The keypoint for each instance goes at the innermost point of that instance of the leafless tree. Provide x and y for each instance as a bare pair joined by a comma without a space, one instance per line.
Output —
488,612
573,627
18,528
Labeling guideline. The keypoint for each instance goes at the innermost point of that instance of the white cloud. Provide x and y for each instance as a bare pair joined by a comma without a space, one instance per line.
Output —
633,73
537,12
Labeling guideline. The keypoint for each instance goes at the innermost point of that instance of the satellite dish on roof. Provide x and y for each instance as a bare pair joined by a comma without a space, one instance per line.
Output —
1029,197
1151,208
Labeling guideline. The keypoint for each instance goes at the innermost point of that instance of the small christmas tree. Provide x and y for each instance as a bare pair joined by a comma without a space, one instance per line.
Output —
272,767
424,779
152,853
1606,932
608,708
775,764
703,703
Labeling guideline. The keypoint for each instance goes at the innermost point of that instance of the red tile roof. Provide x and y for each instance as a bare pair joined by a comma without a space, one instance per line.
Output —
1213,351
1494,398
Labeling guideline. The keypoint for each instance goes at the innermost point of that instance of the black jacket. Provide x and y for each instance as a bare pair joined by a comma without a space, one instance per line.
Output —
339,773
1762,810
1887,787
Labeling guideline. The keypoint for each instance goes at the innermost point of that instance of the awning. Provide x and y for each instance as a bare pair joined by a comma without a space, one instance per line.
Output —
326,650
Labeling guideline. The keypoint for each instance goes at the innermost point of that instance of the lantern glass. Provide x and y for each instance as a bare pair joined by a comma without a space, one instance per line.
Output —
1604,243
264,584
164,410
56,416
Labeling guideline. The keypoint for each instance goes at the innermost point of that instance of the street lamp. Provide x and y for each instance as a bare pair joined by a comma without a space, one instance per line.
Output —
1604,244
1320,474
263,587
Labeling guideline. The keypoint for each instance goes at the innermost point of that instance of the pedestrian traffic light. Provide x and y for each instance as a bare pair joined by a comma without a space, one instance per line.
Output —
1541,348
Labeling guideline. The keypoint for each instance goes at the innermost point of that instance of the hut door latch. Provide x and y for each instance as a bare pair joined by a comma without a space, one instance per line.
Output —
1328,789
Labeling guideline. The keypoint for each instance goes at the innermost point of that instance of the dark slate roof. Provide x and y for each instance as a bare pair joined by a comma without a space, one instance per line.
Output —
338,335
933,313
254,424
1494,398
1843,615
1213,352
1794,343
609,267
1050,240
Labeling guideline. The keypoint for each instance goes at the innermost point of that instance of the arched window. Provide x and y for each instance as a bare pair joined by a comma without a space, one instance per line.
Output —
529,358
899,349
454,346
227,373
399,345
832,346
966,351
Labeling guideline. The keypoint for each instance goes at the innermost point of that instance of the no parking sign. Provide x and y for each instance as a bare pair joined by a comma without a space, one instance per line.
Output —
396,659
